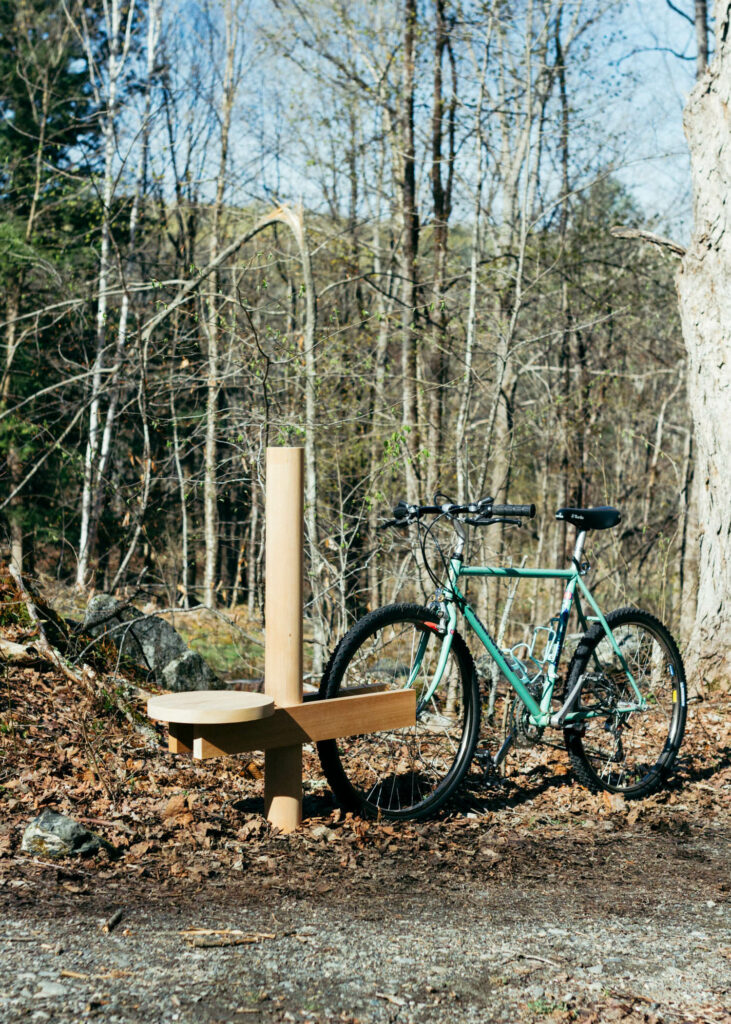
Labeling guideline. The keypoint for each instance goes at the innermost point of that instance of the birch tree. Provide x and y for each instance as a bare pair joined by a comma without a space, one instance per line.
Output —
211,322
106,83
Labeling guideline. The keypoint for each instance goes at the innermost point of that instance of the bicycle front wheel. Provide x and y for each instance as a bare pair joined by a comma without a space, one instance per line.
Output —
410,772
618,749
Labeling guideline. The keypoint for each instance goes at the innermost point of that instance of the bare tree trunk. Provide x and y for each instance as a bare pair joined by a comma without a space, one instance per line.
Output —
409,248
251,563
442,128
378,407
113,384
461,458
182,489
688,531
13,459
651,479
118,42
213,385
701,35
295,221
705,307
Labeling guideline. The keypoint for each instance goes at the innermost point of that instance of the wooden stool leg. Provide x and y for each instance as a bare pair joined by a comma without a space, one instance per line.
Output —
283,644
283,787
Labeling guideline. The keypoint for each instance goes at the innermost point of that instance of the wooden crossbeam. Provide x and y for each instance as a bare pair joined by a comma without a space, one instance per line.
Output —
307,723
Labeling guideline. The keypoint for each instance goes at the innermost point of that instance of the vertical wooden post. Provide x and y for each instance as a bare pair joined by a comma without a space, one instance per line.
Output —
283,644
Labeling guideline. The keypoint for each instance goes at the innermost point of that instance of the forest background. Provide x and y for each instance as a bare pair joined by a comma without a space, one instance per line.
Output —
379,230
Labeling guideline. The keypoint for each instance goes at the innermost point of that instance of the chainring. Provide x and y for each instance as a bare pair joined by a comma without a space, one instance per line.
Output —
525,733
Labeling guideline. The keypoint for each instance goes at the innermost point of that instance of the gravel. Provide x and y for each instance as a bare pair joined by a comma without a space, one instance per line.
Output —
642,933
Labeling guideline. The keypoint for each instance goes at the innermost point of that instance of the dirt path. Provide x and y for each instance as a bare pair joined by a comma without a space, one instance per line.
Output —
629,926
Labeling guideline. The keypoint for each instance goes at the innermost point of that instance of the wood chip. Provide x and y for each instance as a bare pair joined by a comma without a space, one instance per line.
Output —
396,1000
111,923
106,976
210,938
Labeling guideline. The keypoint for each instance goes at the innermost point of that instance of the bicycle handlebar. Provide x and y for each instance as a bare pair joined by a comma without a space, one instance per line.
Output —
484,509
528,511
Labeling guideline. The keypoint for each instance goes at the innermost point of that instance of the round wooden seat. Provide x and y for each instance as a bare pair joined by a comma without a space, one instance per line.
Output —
210,707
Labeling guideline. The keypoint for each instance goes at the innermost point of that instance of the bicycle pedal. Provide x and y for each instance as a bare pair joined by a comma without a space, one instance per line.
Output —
490,773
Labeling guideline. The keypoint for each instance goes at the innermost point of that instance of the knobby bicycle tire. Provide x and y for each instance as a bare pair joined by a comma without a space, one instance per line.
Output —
410,772
627,752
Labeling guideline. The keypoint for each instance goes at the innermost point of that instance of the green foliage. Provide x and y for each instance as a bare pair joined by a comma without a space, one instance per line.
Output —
15,253
545,1007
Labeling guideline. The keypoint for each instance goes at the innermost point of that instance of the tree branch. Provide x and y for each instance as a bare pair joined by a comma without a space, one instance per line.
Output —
647,236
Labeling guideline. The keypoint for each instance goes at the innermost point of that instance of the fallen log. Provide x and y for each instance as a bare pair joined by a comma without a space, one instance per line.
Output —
18,654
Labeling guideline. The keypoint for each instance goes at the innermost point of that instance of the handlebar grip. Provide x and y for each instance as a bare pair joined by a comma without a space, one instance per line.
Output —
528,511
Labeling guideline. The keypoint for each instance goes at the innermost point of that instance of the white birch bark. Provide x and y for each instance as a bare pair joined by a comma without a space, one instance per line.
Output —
210,473
705,308
118,27
462,462
113,384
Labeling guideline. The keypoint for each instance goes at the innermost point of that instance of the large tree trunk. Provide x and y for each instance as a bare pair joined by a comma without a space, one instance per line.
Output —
705,307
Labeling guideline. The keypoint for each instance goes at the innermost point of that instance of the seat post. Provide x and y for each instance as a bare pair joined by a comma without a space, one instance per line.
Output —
579,548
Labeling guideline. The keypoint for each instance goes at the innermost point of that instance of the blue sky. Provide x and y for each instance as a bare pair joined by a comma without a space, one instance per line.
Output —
655,165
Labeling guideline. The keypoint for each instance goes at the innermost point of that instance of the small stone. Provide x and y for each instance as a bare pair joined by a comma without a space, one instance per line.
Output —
51,990
51,834
322,832
595,969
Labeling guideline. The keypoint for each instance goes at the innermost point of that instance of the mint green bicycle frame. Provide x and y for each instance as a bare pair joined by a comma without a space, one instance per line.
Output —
540,713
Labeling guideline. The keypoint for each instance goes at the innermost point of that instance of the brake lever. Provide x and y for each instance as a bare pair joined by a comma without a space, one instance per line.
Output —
406,521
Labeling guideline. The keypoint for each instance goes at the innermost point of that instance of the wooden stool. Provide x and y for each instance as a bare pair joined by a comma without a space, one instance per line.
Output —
216,723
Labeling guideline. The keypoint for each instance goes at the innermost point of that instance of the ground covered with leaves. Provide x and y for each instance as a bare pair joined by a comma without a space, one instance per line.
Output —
528,900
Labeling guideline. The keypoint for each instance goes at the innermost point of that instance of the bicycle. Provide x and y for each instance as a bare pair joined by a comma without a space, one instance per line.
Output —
622,705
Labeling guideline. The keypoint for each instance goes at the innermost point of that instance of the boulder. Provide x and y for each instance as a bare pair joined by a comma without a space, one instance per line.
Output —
51,834
151,642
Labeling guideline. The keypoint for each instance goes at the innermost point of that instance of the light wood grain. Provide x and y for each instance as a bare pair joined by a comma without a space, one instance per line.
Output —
309,723
180,738
283,640
212,707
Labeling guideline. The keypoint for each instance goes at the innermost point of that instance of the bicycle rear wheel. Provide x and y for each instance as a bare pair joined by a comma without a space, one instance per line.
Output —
628,752
411,772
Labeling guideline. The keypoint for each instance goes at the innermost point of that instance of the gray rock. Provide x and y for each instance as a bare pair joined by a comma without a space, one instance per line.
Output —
51,834
51,990
188,672
150,642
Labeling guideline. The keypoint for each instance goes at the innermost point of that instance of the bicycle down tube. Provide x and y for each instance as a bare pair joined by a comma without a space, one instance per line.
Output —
540,712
